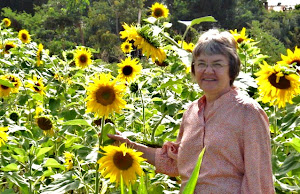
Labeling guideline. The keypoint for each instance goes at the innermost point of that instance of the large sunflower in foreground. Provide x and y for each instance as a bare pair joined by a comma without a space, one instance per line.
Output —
45,124
126,47
120,161
141,41
24,36
9,45
159,10
36,85
240,37
39,55
3,135
292,58
83,57
129,69
275,86
105,96
6,22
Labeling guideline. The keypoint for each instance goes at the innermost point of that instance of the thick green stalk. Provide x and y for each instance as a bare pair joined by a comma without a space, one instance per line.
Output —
100,139
155,127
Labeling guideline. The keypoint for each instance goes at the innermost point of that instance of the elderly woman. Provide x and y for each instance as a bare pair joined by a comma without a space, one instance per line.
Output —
232,126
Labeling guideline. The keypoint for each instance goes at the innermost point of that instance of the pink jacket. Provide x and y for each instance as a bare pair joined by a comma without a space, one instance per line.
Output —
237,140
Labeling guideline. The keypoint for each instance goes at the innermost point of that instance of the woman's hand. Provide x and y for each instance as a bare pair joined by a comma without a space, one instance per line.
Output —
119,138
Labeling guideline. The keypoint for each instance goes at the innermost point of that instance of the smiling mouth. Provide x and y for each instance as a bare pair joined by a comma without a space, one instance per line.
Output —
208,79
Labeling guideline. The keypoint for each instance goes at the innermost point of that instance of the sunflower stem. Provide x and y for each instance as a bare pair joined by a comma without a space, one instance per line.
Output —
155,127
98,156
275,128
122,184
144,120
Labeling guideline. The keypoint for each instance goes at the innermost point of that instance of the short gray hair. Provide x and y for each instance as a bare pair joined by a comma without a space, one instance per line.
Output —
215,42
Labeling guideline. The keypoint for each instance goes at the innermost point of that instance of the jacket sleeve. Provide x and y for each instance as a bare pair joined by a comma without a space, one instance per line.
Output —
166,157
257,178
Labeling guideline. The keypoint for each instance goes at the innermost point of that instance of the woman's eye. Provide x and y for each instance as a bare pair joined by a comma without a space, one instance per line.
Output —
217,65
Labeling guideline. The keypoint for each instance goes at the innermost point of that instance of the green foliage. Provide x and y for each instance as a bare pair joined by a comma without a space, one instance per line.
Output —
268,44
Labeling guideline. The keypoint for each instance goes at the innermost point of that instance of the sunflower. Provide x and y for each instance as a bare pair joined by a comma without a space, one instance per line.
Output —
149,48
45,124
105,96
292,58
239,38
120,161
14,116
159,10
8,45
3,135
276,86
129,69
6,22
188,47
5,89
24,36
83,57
15,81
68,160
39,55
126,47
36,85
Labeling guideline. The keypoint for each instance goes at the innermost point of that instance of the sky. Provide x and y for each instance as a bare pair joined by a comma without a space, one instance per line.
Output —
283,2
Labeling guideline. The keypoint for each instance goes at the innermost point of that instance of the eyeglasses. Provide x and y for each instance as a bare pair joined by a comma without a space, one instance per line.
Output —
214,66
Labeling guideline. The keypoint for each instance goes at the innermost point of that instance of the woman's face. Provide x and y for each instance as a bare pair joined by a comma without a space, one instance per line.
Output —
212,74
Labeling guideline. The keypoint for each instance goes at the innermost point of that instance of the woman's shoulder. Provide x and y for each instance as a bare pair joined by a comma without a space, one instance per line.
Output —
244,101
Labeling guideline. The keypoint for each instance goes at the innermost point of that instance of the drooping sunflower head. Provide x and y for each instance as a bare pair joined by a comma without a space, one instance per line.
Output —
188,47
83,57
276,85
240,37
36,85
120,161
105,96
15,81
24,36
126,47
45,124
149,44
159,10
69,160
3,135
129,69
9,45
129,32
39,55
292,59
6,22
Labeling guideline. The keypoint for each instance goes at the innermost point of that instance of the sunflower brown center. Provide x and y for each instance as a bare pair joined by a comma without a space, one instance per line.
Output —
158,12
105,95
239,40
123,162
127,46
8,46
24,36
83,58
44,123
127,70
37,87
282,84
297,62
4,87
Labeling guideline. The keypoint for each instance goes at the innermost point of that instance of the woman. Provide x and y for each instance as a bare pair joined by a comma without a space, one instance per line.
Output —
231,126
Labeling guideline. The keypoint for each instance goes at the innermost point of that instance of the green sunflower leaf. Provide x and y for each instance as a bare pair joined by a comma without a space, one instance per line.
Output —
6,83
77,122
10,167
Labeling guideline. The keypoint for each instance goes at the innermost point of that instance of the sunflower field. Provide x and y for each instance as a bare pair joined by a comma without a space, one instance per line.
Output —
56,112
